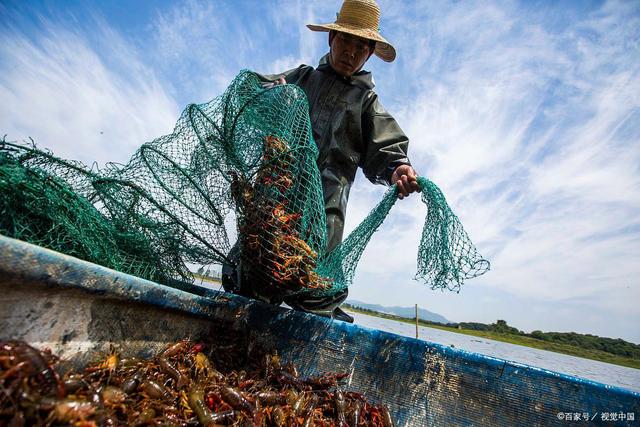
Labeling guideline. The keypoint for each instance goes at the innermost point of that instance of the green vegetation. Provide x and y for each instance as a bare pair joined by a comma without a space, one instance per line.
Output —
609,350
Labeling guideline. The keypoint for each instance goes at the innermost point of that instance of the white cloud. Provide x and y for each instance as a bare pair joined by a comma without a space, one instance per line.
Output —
82,103
519,124
203,45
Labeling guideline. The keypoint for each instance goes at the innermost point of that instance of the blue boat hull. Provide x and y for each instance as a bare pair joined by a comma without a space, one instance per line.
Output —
79,309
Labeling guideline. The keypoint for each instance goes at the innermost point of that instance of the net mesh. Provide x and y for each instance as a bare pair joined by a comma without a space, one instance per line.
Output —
239,171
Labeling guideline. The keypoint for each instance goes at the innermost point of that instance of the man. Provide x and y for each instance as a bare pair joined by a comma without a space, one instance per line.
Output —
350,126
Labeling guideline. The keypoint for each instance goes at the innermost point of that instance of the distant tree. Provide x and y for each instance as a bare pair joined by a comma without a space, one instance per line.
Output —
501,326
615,346
537,335
475,326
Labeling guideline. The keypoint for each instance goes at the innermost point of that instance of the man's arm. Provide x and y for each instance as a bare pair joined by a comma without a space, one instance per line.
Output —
385,159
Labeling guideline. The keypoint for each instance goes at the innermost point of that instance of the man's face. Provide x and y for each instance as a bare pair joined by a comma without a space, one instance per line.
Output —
348,53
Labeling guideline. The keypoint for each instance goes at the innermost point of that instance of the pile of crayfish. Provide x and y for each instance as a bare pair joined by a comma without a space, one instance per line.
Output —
179,387
275,253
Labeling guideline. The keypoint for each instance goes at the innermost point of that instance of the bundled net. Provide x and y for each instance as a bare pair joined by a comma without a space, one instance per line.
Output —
236,182
46,201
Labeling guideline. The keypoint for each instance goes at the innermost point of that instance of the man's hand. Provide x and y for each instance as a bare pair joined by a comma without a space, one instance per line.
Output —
269,85
406,178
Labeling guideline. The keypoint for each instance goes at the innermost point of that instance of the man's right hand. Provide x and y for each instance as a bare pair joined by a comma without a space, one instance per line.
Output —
406,179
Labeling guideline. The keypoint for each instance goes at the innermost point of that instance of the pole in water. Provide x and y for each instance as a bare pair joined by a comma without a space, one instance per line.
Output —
416,321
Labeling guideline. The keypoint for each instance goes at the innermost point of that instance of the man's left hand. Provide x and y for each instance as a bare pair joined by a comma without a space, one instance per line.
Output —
269,85
406,178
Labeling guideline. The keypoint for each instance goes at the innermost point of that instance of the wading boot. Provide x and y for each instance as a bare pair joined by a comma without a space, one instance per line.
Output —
339,314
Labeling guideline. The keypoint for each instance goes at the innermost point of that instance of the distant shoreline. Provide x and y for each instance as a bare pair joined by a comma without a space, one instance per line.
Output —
601,356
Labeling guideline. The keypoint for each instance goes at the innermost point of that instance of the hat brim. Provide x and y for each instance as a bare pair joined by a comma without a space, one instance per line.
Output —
384,49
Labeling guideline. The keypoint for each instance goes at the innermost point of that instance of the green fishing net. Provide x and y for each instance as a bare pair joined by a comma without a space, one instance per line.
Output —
235,183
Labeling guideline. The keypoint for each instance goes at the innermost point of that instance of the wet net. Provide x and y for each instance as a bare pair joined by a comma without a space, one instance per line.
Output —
235,183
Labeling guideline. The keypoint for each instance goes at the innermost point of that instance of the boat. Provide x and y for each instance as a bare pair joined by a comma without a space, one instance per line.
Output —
79,309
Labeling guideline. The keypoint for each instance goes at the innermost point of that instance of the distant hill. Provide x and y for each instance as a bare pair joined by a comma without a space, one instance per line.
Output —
408,312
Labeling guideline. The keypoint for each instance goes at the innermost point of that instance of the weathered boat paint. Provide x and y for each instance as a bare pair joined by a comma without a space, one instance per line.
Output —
78,309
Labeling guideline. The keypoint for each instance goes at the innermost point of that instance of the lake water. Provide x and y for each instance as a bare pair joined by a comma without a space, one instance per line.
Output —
607,373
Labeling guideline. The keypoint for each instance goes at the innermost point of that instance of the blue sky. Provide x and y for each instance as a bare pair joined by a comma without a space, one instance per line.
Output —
526,114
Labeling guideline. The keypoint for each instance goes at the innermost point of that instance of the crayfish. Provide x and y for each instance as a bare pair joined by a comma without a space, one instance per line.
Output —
179,386
276,257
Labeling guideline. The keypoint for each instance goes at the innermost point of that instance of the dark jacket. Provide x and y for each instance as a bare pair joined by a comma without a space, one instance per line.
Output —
351,128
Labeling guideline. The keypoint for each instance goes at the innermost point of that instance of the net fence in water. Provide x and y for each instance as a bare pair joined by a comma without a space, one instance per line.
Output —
236,181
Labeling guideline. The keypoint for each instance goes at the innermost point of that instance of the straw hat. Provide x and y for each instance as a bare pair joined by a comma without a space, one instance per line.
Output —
361,18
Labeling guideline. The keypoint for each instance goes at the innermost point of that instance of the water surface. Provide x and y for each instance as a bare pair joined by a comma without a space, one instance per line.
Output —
606,373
